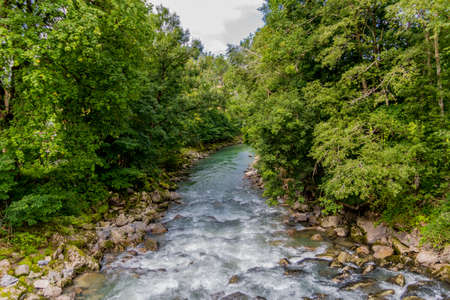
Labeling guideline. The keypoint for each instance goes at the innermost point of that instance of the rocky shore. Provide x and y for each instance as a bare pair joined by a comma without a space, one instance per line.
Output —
368,242
131,221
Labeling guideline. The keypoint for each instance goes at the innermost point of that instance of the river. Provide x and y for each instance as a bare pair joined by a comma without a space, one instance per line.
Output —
224,230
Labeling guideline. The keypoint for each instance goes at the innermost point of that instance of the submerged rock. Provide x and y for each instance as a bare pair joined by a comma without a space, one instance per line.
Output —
359,285
398,280
317,237
234,279
284,262
151,245
236,296
157,229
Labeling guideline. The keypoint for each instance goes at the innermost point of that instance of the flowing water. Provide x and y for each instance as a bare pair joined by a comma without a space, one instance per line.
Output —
223,229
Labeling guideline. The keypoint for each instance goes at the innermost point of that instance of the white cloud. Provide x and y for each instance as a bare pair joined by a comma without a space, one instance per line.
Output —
217,22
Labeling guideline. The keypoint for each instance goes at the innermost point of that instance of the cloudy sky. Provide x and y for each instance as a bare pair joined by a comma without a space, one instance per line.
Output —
217,22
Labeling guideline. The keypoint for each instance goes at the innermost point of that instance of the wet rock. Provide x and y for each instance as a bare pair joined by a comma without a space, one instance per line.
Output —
236,296
341,277
362,251
284,262
344,257
234,279
335,264
41,284
381,295
368,269
398,280
427,258
150,245
157,229
412,298
52,291
331,221
173,196
374,233
357,235
359,285
316,237
8,280
5,265
341,231
381,252
22,270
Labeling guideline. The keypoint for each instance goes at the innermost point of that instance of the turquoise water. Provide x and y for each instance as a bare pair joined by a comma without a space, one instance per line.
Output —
223,229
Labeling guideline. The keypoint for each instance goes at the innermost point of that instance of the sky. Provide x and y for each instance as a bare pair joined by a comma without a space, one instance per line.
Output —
217,22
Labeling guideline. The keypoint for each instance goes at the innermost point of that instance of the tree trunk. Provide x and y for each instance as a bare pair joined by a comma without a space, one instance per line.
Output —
438,70
427,43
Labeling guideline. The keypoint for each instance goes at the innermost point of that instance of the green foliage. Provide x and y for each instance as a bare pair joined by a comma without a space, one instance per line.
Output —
98,97
27,242
345,103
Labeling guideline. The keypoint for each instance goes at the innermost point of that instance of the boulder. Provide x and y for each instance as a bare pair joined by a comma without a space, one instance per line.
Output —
43,262
374,233
411,240
52,291
22,270
341,231
381,252
8,280
427,258
78,260
41,284
139,226
331,221
5,265
445,257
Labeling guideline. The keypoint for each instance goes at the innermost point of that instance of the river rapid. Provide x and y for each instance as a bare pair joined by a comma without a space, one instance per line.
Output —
224,230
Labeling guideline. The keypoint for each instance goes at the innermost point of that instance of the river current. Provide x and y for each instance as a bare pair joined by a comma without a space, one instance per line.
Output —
224,230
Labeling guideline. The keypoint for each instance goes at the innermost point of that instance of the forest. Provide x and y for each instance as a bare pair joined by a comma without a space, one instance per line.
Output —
345,103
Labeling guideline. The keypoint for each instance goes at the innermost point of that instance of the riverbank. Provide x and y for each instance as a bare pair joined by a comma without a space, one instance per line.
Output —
42,268
371,241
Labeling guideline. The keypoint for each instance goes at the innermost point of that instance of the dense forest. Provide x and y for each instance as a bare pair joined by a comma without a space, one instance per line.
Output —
98,97
344,101
346,104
